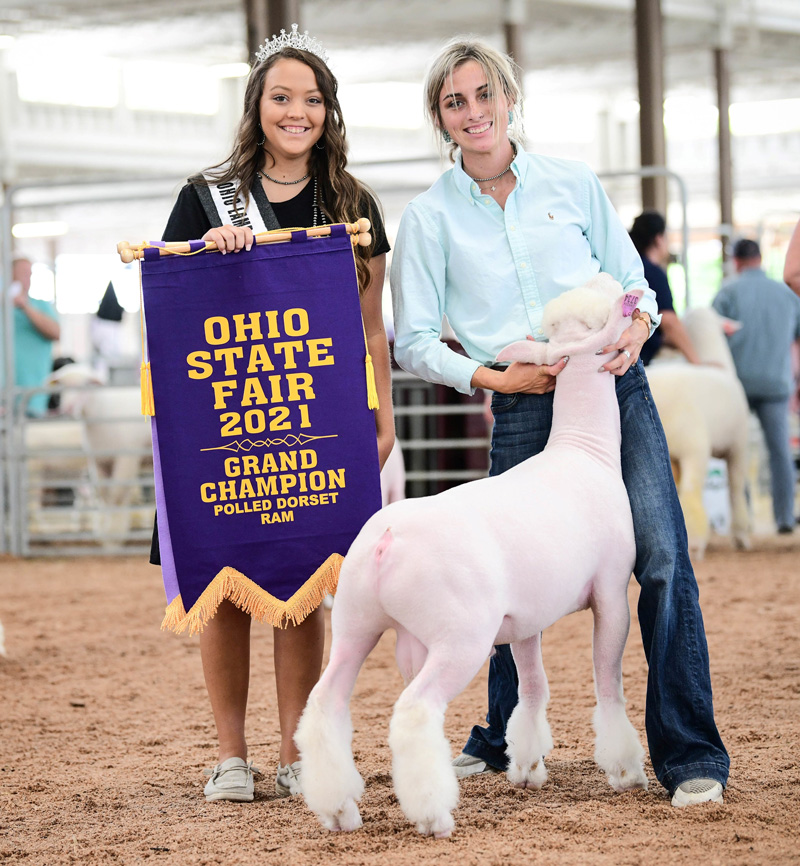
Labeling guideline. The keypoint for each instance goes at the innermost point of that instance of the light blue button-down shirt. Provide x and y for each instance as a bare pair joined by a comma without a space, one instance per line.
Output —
492,270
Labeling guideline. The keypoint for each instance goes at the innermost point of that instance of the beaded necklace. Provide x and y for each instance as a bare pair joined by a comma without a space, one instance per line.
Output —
317,214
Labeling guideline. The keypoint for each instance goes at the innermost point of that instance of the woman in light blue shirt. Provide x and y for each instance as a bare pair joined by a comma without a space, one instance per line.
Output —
489,244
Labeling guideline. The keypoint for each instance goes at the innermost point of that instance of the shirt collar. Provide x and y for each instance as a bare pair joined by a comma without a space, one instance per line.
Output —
467,186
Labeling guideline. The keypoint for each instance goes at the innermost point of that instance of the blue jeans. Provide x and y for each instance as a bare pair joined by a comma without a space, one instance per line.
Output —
774,418
681,733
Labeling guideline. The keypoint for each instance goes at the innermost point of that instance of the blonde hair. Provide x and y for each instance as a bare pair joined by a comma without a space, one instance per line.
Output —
502,75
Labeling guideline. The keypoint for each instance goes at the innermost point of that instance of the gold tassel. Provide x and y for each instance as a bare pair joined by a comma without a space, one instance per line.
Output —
232,585
146,382
372,391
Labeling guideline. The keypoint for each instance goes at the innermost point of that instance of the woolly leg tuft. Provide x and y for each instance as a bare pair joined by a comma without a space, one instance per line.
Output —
331,784
618,751
424,781
529,741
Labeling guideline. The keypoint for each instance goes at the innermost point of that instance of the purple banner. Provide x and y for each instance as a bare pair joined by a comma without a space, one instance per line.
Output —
267,456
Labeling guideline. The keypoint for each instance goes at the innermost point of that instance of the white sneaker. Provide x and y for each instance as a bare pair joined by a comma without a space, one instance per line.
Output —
287,782
231,780
696,791
468,765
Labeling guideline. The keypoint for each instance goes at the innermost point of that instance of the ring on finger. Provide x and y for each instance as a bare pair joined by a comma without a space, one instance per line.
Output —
626,353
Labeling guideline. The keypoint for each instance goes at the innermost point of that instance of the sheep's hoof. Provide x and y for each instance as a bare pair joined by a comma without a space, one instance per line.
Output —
348,818
440,827
628,780
697,551
532,777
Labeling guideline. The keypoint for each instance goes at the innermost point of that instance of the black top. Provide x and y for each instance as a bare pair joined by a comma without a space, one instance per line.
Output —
657,279
188,220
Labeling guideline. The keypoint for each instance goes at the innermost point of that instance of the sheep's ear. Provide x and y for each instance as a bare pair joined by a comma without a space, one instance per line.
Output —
526,351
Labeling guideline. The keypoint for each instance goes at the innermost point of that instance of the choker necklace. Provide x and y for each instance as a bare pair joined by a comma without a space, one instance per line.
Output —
497,176
288,182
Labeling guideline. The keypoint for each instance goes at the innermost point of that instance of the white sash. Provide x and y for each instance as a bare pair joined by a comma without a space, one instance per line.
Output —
223,207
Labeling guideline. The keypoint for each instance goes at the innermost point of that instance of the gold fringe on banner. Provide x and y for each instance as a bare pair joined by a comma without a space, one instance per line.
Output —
232,585
174,614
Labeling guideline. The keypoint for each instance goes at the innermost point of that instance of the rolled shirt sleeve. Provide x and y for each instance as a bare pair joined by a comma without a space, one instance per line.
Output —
613,248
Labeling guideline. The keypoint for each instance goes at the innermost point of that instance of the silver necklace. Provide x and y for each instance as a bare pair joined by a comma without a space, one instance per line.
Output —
286,182
480,180
317,213
316,209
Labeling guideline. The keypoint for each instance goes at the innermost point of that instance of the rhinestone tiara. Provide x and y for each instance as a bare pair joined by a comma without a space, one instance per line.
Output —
301,41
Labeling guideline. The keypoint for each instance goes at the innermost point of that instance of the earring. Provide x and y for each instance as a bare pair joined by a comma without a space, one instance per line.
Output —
263,137
446,137
510,117
316,144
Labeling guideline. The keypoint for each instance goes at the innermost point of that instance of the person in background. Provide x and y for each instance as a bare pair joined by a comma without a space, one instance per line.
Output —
770,317
105,332
649,236
791,267
499,235
36,328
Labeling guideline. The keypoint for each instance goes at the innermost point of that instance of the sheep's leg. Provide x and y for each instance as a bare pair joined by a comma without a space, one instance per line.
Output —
693,472
737,483
410,654
424,780
528,733
118,496
617,748
330,782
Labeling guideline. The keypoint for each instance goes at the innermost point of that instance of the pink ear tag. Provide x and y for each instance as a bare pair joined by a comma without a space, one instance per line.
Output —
629,304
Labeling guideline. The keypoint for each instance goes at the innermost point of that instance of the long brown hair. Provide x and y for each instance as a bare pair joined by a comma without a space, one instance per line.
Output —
343,196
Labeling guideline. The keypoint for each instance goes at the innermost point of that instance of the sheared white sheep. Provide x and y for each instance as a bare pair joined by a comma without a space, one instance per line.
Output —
56,454
494,561
704,413
118,438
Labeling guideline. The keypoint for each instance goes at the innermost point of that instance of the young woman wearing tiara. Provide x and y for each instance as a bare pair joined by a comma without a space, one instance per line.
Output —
499,235
287,168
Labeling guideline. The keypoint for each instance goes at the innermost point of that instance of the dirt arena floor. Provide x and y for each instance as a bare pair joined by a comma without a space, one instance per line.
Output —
105,730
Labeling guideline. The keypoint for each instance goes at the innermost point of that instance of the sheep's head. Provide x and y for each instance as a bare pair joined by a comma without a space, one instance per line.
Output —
74,379
74,376
579,321
708,331
577,314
